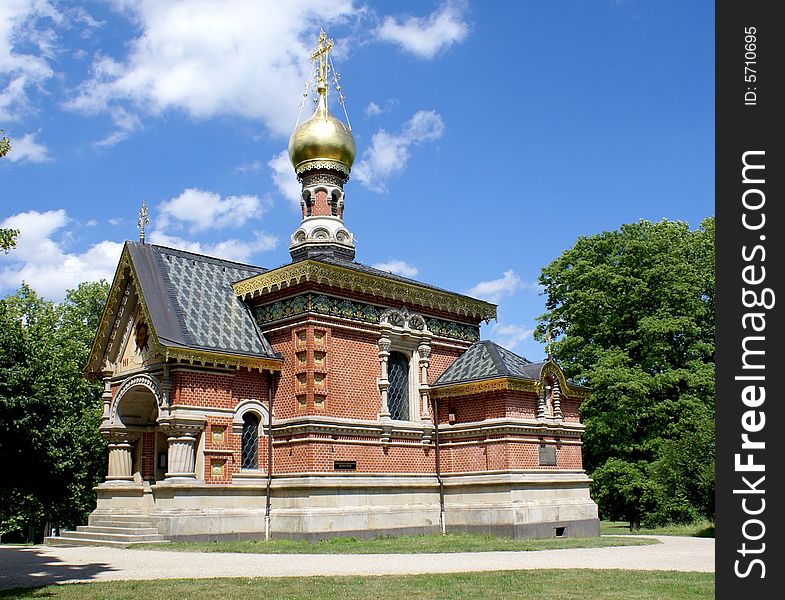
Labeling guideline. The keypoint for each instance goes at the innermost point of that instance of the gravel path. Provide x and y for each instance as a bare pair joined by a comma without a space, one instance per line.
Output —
29,566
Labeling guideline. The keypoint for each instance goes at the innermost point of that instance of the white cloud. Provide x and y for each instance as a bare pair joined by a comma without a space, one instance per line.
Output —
373,109
285,179
125,124
41,261
389,153
510,336
425,37
229,57
200,210
25,21
232,249
397,266
26,148
252,167
80,15
495,289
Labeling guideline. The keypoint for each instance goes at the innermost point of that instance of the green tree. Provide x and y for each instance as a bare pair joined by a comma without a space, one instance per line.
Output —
5,145
8,239
51,454
634,313
7,236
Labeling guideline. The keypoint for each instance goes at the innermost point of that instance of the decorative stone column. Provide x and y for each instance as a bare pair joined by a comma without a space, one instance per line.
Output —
424,350
181,457
384,382
120,456
166,391
106,397
541,401
556,399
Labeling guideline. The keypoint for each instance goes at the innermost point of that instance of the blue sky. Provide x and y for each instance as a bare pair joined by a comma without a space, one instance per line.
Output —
490,135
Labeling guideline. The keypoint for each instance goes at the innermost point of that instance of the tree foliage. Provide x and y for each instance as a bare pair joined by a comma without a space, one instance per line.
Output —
7,236
51,454
5,145
634,313
8,239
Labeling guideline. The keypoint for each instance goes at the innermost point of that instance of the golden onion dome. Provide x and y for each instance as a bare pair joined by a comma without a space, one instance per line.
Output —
322,140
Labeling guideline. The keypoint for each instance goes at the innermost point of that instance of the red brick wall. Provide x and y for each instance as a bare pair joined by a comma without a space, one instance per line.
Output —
297,456
351,370
320,205
569,409
147,468
503,453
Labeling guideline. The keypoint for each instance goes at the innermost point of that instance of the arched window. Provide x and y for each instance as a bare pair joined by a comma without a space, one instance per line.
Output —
250,455
398,393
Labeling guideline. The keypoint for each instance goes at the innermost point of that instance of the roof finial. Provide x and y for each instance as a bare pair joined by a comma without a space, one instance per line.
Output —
143,220
548,344
322,54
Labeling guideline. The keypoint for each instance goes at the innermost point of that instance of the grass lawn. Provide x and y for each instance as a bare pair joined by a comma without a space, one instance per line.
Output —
550,584
696,529
453,542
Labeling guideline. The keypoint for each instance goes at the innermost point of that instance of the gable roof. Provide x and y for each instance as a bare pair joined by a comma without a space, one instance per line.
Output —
487,364
191,305
191,301
487,360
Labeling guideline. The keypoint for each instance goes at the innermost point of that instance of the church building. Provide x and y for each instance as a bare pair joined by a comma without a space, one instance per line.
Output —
323,397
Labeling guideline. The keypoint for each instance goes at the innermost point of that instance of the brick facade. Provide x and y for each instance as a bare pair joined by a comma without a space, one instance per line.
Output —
330,370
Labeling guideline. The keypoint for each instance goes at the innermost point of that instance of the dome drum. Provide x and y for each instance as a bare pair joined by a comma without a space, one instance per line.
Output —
322,235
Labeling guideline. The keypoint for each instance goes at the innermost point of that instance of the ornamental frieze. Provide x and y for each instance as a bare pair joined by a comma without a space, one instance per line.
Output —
347,279
356,311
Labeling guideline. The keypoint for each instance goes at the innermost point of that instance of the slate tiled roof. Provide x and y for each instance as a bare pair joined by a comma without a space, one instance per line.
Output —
486,360
192,303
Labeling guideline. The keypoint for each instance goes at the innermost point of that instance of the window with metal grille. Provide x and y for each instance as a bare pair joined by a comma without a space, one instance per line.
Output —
398,392
250,441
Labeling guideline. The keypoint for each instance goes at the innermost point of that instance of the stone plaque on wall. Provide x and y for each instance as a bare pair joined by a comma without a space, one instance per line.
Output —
547,456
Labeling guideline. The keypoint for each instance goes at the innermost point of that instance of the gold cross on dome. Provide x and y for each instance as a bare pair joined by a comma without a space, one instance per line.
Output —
321,54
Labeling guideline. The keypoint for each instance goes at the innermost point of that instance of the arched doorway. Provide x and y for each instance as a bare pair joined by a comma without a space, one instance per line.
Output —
136,440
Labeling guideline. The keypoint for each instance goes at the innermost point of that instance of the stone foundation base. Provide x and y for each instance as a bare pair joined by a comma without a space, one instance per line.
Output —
313,507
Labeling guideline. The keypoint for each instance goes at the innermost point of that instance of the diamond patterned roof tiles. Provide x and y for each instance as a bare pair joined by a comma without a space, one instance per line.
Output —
192,303
486,360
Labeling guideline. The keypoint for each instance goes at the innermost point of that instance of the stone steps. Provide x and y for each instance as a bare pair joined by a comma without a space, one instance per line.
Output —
69,538
121,524
119,531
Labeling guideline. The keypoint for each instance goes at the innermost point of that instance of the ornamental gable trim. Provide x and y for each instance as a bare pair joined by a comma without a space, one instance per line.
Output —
189,310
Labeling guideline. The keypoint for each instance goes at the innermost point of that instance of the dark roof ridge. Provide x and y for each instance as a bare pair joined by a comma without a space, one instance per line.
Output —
172,295
496,357
201,257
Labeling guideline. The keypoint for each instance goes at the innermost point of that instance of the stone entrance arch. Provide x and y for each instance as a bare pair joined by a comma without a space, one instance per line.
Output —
133,432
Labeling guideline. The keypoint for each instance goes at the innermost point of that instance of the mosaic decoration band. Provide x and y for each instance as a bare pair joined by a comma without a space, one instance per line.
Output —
355,311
